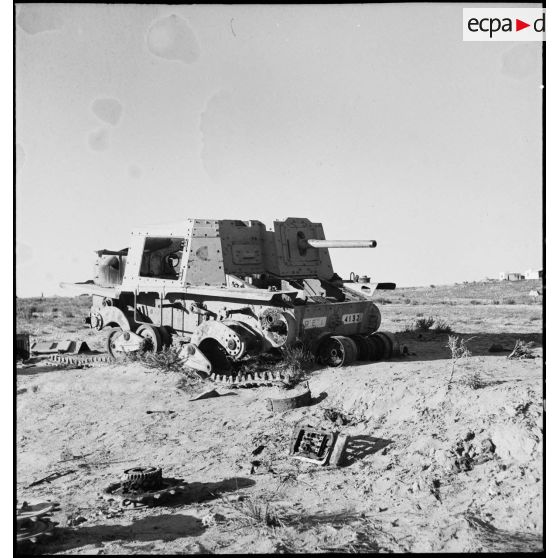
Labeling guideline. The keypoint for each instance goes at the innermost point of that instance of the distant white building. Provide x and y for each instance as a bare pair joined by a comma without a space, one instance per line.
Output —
507,276
534,273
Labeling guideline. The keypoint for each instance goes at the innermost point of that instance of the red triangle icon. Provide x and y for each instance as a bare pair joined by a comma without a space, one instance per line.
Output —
519,25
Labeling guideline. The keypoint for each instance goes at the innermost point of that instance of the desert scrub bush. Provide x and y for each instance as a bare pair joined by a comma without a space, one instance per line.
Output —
496,302
459,351
165,360
423,324
441,326
509,301
473,380
522,350
298,357
68,314
295,362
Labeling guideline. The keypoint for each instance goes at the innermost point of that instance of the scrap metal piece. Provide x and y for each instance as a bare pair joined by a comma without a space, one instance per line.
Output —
286,403
206,395
147,498
22,345
336,458
57,347
312,444
51,477
143,486
35,511
33,531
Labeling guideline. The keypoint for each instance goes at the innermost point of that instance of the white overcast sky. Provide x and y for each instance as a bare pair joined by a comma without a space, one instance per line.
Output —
376,120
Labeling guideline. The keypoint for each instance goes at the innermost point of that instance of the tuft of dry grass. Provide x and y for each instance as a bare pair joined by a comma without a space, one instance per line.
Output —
441,326
499,540
473,380
421,324
257,512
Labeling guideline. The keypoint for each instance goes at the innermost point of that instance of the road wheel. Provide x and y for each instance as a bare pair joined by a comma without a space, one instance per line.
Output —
338,351
362,346
152,338
113,334
376,348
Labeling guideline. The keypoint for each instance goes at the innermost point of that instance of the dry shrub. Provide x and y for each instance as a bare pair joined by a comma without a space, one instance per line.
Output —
499,540
459,351
296,361
298,357
522,350
165,360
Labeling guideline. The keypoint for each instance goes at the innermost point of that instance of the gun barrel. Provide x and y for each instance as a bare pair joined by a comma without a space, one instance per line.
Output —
341,243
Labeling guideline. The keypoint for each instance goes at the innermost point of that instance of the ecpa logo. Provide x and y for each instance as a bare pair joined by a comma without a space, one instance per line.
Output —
503,24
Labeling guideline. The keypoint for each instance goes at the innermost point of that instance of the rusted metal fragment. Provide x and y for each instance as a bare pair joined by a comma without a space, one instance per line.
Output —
286,403
312,444
54,347
22,345
33,530
207,395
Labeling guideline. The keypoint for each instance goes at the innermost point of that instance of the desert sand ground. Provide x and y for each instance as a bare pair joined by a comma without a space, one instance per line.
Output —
403,486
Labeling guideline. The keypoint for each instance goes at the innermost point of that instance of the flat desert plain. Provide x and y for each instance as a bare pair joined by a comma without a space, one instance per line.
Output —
431,465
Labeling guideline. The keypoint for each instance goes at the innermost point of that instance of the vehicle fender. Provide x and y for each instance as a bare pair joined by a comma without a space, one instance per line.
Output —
112,316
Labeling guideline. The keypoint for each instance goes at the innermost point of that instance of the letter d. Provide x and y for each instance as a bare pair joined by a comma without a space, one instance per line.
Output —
538,26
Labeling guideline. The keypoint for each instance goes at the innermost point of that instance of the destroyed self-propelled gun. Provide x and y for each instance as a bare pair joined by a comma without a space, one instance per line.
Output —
229,290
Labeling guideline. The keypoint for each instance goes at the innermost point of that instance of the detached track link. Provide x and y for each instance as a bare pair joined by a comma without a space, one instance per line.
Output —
80,359
248,380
